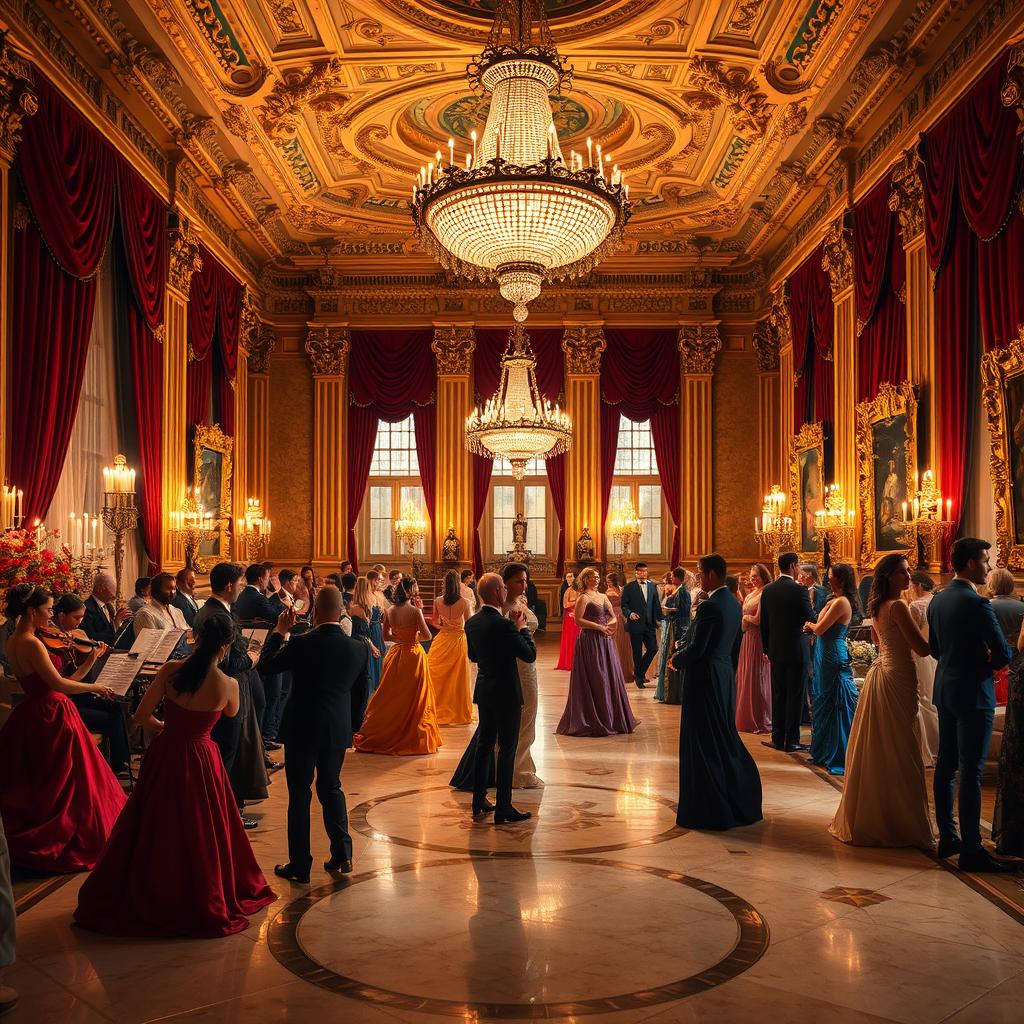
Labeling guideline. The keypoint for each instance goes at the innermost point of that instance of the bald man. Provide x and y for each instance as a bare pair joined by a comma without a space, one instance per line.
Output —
495,642
101,620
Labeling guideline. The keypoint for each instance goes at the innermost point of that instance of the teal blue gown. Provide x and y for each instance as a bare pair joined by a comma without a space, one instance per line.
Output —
834,700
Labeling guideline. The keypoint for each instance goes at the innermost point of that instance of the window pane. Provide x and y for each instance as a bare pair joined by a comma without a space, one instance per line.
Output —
381,526
634,455
535,501
394,453
650,514
503,503
413,495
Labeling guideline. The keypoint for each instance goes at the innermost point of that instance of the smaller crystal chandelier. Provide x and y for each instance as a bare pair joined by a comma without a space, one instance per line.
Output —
626,526
516,423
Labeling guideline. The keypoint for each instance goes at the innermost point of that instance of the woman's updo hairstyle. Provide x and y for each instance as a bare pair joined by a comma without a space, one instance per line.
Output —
68,604
215,633
23,596
403,590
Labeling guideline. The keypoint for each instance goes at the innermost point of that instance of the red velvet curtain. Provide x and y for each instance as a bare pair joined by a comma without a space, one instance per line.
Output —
144,231
391,376
229,319
67,173
203,294
812,315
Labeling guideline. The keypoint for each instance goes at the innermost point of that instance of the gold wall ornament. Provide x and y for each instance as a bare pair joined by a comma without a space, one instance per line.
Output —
766,345
837,256
328,347
453,348
906,199
807,487
778,315
887,421
1002,392
1012,93
213,452
183,257
698,344
747,106
261,345
582,346
18,99
299,90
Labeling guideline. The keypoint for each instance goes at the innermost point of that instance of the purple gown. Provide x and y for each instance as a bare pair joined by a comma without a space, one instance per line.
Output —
597,704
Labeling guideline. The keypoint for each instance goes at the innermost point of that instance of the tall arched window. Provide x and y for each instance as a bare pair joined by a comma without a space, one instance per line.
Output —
636,479
509,496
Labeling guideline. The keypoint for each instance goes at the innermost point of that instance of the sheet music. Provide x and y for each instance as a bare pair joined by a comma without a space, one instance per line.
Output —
165,648
120,671
145,643
256,636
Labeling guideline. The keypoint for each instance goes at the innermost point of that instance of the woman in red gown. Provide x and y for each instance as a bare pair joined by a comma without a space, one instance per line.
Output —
58,798
570,630
179,863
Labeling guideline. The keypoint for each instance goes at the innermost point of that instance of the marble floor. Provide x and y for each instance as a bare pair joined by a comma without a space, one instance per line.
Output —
598,909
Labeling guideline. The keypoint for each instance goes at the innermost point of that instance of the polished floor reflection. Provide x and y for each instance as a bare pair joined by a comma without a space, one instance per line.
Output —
599,909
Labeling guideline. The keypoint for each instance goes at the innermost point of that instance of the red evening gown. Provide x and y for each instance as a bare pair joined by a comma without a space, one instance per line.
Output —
178,862
567,648
58,797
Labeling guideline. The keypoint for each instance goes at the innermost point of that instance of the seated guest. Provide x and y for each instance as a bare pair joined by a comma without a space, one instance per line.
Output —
178,863
59,799
159,611
143,587
348,585
107,717
184,595
273,584
101,621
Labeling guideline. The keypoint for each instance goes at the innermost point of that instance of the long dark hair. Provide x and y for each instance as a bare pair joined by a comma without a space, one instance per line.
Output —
211,636
847,579
68,604
23,596
884,571
452,587
403,590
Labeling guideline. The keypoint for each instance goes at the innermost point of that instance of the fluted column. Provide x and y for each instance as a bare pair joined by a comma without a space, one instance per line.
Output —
582,345
699,344
184,261
837,261
328,346
454,345
261,344
17,101
771,468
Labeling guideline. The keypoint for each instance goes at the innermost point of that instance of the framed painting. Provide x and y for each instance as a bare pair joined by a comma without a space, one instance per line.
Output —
807,488
887,455
1002,382
211,478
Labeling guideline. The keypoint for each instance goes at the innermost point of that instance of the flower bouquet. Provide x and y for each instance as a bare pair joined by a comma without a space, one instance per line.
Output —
862,655
30,556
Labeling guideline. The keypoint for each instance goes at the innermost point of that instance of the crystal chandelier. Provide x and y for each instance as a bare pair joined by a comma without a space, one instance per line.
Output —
516,423
517,212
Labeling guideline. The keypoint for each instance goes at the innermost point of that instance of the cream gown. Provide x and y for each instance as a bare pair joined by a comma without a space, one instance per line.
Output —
885,798
927,714
525,775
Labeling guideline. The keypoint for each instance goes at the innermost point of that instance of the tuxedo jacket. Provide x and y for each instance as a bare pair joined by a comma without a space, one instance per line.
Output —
968,645
330,686
186,605
708,648
96,625
253,606
649,610
237,661
494,644
785,607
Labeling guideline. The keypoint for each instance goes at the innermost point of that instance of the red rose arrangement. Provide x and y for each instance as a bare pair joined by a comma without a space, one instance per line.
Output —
43,560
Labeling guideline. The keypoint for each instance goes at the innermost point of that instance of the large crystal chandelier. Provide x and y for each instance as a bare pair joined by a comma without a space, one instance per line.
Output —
516,211
516,423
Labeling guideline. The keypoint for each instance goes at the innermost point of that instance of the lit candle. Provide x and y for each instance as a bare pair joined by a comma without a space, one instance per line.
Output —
451,153
590,152
904,511
497,145
600,162
472,135
71,532
99,535
551,130
467,162
949,510
430,173
917,509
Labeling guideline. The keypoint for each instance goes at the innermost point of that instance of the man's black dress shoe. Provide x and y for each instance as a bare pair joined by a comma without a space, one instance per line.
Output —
271,745
947,847
248,822
287,871
770,745
793,748
981,862
479,810
274,766
340,864
641,685
511,816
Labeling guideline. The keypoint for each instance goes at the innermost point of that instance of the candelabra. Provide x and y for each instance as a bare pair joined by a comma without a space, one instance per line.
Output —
773,528
84,545
120,513
190,527
11,517
836,525
625,528
410,530
928,530
253,532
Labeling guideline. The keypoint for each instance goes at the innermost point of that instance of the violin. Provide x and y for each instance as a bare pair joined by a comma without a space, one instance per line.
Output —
57,640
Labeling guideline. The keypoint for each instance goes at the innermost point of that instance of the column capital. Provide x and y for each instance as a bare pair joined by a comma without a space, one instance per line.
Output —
1012,93
261,344
583,345
778,315
453,346
906,199
766,345
183,254
328,346
698,346
18,99
837,256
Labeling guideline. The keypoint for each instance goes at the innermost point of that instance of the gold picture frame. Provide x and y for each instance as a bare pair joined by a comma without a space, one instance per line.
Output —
1002,391
211,479
807,488
886,426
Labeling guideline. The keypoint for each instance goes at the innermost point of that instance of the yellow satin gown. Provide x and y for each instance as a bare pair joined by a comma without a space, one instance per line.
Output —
448,659
400,718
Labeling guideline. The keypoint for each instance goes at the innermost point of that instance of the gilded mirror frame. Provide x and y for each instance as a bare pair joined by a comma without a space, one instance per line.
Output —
210,437
809,438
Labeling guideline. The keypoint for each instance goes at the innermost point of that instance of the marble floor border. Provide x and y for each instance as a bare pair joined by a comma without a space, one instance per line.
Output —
752,941
27,896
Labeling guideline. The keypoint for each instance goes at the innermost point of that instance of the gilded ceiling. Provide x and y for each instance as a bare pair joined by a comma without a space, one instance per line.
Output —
305,121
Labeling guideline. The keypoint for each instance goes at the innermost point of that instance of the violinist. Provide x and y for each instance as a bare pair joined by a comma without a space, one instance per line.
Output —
79,655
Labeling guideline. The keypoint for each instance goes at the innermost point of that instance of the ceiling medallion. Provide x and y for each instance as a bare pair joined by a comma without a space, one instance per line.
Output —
517,212
516,423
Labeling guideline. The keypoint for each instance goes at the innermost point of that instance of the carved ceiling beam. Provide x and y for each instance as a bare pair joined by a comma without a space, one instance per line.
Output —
699,345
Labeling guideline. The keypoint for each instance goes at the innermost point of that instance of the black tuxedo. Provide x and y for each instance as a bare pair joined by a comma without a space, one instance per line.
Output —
494,644
186,605
96,625
643,631
785,607
330,687
253,606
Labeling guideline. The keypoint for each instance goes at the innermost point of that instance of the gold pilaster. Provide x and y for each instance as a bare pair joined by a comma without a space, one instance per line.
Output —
778,318
328,346
699,345
769,416
257,475
582,345
454,345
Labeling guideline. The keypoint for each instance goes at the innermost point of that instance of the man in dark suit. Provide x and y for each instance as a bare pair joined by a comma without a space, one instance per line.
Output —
641,607
785,607
101,621
494,644
719,786
969,646
253,606
184,597
330,687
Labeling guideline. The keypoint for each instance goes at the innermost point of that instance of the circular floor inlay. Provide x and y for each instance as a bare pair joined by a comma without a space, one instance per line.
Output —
478,938
437,818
